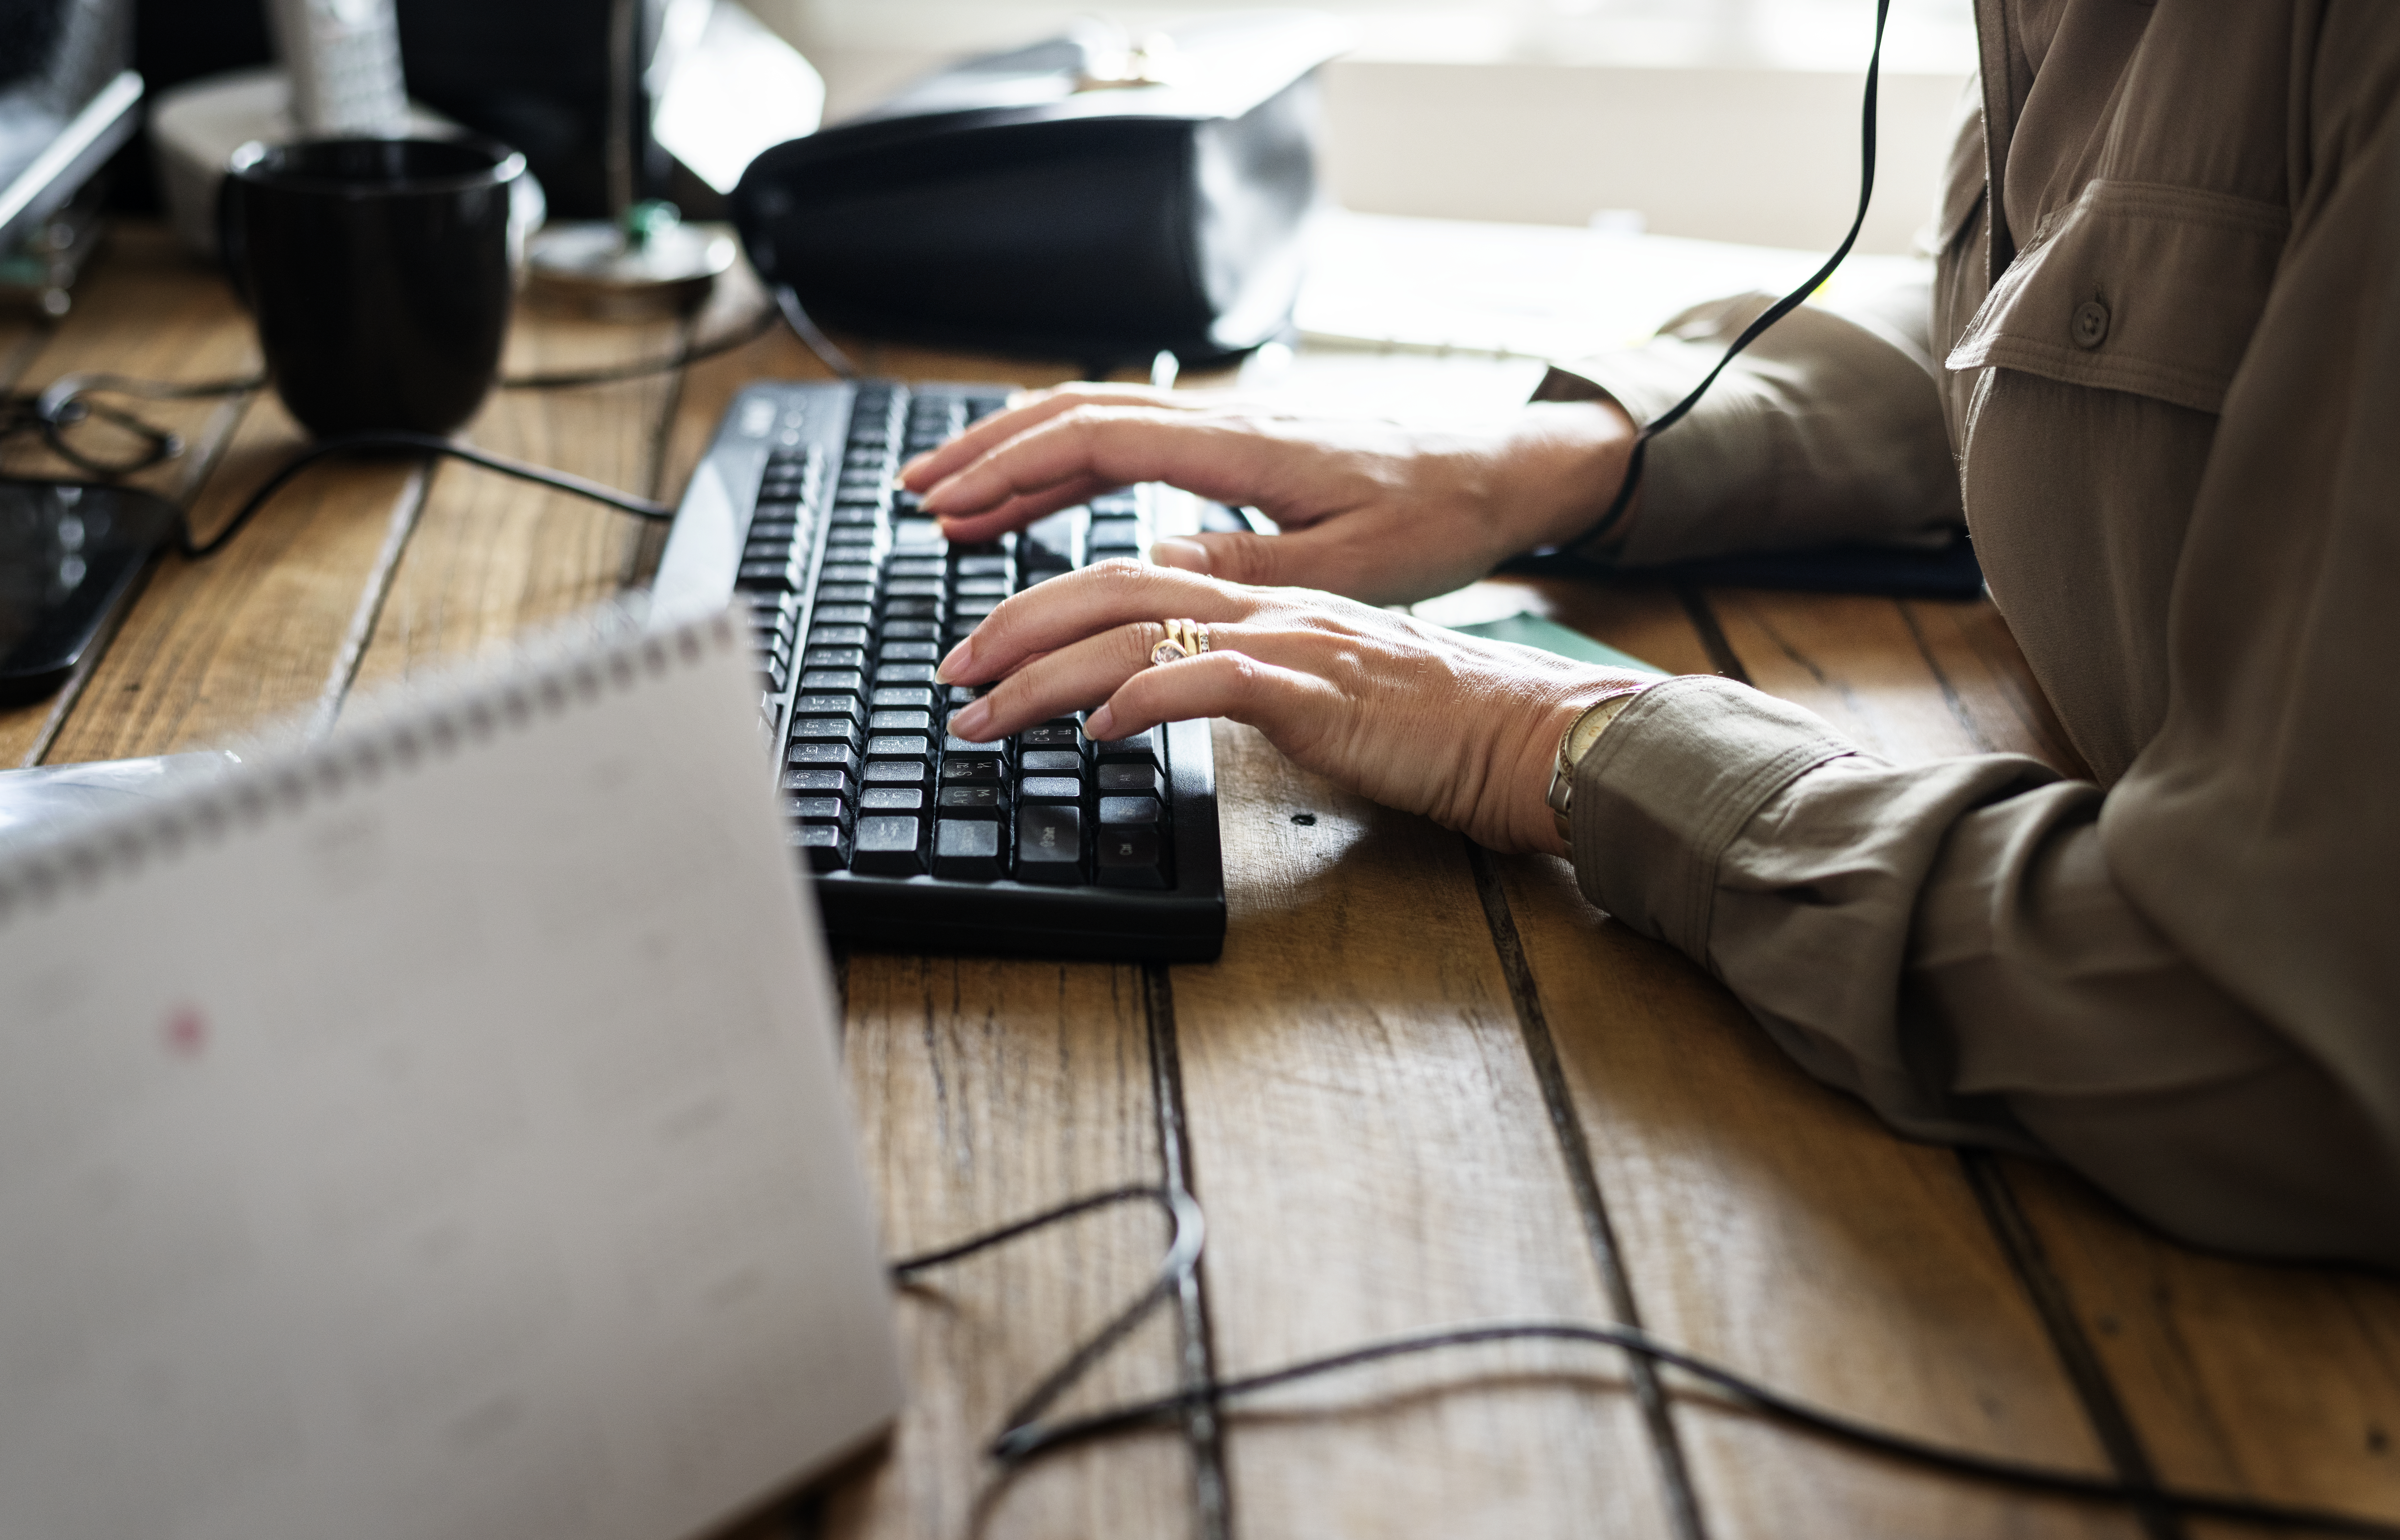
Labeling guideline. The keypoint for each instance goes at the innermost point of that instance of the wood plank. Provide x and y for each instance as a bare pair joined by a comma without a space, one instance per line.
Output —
1774,1225
987,1090
493,556
1371,1146
2272,1382
2267,1381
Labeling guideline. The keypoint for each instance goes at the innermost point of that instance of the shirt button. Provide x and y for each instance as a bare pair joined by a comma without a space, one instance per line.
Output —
2091,323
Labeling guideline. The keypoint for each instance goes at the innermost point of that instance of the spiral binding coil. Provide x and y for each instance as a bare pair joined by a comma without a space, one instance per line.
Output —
249,798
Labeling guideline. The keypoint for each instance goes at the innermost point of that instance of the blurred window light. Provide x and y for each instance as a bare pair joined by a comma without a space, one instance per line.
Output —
1927,36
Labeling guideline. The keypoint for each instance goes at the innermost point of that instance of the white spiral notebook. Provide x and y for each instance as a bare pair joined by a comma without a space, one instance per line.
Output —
435,1135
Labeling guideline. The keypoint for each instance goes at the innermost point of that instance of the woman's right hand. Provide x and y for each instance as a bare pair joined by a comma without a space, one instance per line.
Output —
1372,509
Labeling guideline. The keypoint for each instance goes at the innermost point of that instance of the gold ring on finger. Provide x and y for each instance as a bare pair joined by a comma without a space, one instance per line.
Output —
1183,639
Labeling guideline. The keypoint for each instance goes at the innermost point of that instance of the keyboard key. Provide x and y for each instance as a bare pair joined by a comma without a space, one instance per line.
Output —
766,575
840,755
891,799
972,610
899,746
911,630
1141,748
848,615
1129,856
846,572
967,849
837,657
918,567
824,846
1050,762
1051,735
824,635
983,588
833,680
844,593
913,609
910,652
889,845
826,705
986,566
902,698
914,588
897,772
963,770
1130,780
817,809
1050,788
822,780
904,674
826,730
901,721
971,802
1112,537
1128,811
1049,844
953,743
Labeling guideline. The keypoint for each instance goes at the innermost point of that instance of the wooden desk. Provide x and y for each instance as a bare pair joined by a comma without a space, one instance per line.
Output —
1426,1086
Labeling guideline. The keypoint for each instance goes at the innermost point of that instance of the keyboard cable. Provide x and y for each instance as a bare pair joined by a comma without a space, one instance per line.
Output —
1025,1437
68,402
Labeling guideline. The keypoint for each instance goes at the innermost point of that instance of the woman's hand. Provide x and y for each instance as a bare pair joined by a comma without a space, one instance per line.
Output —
1372,509
1461,730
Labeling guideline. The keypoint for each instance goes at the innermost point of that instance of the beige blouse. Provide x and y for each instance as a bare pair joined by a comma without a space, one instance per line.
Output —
2159,368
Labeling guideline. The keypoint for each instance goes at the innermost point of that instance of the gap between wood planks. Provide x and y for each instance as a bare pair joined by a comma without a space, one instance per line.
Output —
1683,1504
2102,1407
1212,1500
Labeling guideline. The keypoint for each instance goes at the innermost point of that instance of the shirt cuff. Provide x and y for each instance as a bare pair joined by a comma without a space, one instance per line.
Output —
1662,793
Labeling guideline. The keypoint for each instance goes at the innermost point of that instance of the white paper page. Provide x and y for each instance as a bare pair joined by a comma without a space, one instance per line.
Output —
440,1135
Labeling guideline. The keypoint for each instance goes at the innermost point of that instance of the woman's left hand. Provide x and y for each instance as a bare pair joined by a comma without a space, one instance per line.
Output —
1463,731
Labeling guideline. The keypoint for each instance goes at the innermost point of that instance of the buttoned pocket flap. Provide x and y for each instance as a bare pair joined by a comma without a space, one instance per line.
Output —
2136,287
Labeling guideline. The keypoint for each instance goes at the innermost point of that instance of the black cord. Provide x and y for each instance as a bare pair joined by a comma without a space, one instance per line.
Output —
796,315
748,332
63,404
1773,313
1025,1437
423,444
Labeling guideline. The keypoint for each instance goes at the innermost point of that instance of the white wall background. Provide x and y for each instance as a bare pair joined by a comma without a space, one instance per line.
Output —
1727,119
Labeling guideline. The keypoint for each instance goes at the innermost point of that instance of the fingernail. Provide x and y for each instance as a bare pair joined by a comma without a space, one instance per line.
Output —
970,722
1187,555
912,462
947,672
1100,727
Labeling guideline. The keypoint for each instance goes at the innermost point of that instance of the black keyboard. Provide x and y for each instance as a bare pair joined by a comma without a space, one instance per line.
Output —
1048,844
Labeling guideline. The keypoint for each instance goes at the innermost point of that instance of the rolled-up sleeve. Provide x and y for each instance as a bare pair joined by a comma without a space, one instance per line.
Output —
1948,942
1827,430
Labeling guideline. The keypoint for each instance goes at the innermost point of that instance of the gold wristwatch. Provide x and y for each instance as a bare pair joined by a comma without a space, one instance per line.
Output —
1574,745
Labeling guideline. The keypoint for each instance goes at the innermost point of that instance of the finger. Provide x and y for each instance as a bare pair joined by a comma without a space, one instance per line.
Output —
1017,513
1286,705
1076,676
1332,556
1224,457
1023,411
1064,610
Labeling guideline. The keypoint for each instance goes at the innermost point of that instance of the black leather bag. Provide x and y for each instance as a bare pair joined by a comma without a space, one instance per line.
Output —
1065,200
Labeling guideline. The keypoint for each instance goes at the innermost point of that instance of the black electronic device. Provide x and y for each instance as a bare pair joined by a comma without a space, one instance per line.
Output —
1062,201
1048,844
71,554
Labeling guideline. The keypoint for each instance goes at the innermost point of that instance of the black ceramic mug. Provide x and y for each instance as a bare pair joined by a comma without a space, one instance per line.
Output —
381,272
